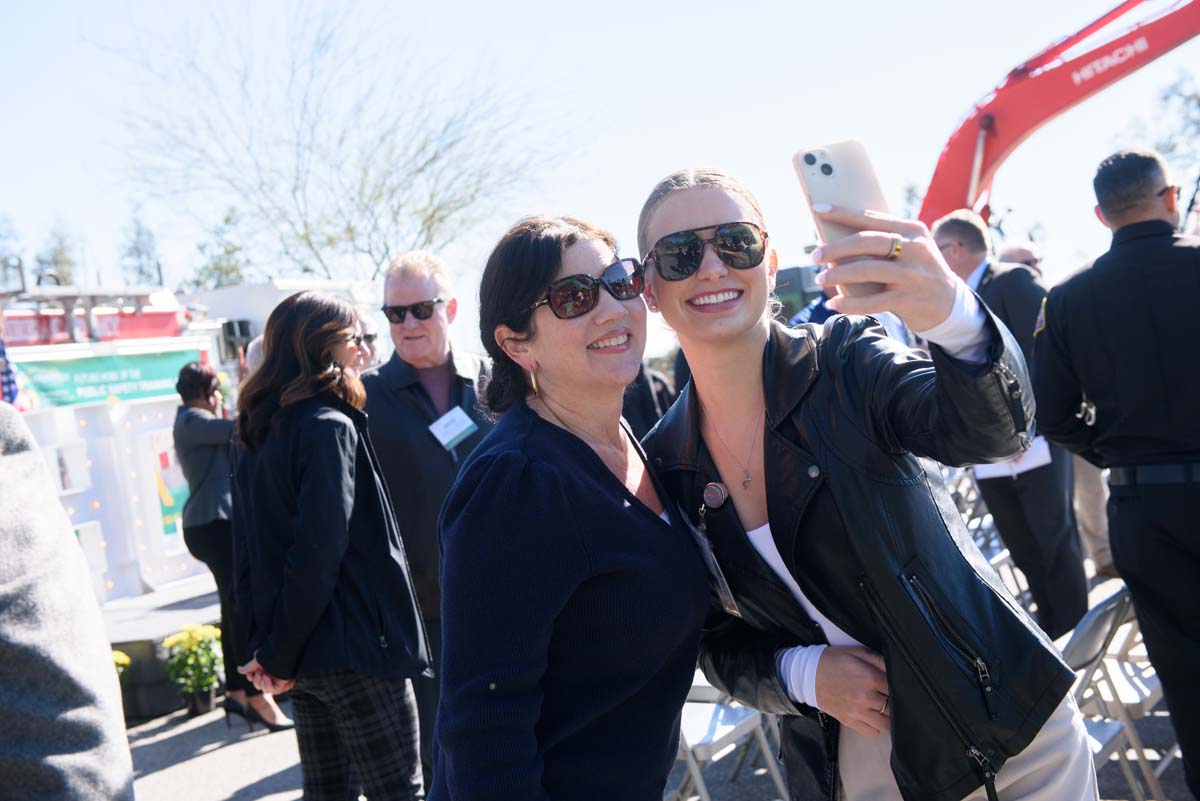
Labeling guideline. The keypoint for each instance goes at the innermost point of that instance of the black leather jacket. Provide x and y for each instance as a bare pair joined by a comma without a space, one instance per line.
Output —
867,528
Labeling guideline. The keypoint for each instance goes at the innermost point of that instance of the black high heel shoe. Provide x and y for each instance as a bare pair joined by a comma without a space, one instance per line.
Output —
253,716
232,707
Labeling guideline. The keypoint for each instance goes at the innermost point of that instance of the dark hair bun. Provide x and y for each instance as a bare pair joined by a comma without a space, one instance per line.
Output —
196,381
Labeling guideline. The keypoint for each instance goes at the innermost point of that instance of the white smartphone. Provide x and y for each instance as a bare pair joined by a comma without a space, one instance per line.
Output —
840,174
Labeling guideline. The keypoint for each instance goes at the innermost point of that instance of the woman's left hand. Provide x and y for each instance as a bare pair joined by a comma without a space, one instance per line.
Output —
263,680
900,254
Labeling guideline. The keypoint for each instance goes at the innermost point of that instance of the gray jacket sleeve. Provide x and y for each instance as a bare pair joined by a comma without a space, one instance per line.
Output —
63,732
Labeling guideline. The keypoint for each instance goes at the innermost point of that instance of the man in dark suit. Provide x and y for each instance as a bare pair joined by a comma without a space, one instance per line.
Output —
1030,498
1125,397
424,420
63,734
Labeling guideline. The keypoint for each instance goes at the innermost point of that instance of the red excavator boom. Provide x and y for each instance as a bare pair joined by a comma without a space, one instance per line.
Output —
1039,90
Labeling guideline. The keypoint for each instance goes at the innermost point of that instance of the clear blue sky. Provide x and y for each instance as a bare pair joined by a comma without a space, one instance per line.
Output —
643,88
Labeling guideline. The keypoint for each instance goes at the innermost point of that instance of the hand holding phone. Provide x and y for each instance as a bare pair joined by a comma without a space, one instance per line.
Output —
840,175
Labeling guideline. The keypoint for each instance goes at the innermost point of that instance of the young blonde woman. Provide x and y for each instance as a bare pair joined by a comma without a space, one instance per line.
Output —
860,609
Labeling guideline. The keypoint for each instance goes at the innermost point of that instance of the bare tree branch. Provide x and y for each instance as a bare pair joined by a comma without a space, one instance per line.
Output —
339,157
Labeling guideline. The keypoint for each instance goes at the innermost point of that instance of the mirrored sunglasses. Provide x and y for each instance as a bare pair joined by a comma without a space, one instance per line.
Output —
577,295
740,245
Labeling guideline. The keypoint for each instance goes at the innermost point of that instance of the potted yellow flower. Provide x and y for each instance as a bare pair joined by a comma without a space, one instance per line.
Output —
120,660
194,663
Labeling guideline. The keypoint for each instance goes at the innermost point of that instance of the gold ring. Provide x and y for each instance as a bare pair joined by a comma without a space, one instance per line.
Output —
897,246
883,709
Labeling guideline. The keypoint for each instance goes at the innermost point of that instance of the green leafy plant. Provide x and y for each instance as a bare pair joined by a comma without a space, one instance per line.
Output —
194,660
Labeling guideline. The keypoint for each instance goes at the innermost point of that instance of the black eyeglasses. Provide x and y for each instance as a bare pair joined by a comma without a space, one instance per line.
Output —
357,340
1163,191
576,295
422,310
740,245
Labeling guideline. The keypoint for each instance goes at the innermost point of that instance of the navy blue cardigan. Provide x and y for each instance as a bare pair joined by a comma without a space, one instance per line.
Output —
571,617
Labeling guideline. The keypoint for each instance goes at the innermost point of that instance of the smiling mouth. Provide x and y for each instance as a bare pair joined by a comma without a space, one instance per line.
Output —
611,342
716,297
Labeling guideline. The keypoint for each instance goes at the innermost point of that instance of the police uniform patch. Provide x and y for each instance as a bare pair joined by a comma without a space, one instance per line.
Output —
1040,325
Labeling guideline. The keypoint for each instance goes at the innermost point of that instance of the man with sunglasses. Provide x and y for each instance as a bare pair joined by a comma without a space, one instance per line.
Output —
424,420
1125,397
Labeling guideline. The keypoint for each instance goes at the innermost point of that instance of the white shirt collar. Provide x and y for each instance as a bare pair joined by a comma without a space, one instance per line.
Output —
977,275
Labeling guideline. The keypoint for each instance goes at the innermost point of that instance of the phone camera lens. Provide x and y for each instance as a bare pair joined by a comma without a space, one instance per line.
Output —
827,169
810,159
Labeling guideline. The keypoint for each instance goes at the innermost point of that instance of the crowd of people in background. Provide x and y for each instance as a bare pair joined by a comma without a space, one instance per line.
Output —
494,578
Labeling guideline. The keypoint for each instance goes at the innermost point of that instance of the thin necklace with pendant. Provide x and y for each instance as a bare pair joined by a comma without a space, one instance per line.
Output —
746,479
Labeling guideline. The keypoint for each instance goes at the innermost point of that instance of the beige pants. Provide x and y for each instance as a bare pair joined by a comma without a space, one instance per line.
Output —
1056,766
1091,510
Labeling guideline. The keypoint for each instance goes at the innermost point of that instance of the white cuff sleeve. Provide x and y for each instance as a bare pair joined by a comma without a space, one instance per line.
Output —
963,334
797,669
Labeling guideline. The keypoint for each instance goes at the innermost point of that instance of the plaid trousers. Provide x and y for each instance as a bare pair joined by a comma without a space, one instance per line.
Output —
354,731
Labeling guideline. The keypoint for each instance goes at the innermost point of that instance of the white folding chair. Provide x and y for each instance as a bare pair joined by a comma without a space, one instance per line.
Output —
979,522
1132,687
703,690
710,731
1110,731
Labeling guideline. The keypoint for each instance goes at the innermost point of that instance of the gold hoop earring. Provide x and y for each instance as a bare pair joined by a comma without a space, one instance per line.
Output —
534,384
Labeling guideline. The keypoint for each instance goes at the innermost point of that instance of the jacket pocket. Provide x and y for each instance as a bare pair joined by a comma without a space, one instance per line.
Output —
976,757
961,648
377,611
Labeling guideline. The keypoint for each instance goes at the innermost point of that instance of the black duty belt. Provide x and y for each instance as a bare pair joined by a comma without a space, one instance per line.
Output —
1155,474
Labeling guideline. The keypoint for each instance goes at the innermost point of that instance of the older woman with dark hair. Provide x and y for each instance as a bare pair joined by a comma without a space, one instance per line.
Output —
572,599
321,567
202,438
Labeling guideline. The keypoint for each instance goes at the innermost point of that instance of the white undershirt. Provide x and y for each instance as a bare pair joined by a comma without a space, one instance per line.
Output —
962,335
797,666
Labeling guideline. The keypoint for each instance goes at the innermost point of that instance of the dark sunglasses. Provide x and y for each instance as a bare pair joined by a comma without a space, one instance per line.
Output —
357,340
740,245
576,295
422,310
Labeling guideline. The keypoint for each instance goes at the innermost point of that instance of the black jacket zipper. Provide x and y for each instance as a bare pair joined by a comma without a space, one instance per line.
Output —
982,673
1010,388
984,765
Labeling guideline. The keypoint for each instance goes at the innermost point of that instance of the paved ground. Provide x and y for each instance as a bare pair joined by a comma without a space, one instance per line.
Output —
177,759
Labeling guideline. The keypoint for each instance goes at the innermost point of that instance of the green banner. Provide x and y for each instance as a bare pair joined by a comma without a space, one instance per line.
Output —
97,379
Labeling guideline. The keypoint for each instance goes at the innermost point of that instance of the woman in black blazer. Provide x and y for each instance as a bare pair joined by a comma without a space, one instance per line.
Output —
320,564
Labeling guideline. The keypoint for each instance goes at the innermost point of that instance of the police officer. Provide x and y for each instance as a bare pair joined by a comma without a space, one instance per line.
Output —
1127,396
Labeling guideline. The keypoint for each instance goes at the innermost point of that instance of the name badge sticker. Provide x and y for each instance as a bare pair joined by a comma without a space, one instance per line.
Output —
453,427
719,584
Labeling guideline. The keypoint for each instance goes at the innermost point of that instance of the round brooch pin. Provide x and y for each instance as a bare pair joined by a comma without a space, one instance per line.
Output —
715,494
